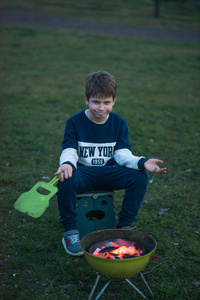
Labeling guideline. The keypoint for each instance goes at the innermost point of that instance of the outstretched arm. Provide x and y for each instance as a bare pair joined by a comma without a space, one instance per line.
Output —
151,166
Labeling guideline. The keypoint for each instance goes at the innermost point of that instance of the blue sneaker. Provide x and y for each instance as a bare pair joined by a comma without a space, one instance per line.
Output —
124,227
127,227
71,241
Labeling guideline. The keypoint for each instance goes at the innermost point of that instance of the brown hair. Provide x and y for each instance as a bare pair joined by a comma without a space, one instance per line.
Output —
100,84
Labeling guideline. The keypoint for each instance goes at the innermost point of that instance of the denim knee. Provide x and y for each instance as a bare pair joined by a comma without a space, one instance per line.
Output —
140,177
143,177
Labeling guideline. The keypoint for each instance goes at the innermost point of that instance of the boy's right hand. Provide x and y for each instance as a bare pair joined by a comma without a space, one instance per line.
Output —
65,171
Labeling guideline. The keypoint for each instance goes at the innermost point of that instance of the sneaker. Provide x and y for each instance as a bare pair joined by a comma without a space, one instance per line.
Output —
71,241
124,227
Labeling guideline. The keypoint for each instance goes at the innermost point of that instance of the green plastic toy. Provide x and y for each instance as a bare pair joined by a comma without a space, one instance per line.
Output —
34,203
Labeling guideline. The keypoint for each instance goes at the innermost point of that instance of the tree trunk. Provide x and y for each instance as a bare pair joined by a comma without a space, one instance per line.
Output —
157,8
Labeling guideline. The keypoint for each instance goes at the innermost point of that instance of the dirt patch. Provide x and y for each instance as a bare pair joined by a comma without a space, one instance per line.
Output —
24,18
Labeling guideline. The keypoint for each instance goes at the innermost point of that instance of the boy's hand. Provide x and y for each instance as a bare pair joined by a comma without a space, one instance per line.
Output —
67,169
151,166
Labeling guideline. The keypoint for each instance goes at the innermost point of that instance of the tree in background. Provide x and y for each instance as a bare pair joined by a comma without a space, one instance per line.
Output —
157,8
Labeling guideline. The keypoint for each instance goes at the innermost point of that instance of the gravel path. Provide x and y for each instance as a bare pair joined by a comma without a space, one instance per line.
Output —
28,19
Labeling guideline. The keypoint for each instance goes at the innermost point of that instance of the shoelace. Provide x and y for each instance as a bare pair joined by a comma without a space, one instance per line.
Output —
74,238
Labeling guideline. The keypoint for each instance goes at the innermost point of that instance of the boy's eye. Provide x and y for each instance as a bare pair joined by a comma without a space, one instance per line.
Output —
96,102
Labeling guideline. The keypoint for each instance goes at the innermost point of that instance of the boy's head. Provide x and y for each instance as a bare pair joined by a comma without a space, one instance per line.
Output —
100,84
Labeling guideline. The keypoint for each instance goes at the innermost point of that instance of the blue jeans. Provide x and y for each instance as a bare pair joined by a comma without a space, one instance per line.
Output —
102,178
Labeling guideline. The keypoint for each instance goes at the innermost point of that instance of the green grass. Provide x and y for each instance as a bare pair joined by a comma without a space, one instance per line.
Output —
42,84
173,14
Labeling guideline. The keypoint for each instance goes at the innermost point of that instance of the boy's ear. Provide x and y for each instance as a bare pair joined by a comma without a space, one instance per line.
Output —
114,100
86,100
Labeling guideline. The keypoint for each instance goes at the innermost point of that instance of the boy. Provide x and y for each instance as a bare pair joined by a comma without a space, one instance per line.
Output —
97,155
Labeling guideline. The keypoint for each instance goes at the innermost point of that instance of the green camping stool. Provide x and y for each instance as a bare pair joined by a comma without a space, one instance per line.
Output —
95,211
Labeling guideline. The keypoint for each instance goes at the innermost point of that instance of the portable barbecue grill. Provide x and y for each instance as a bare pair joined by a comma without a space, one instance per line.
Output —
117,268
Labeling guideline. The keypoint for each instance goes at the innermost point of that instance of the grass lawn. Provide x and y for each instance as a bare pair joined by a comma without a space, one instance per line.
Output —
42,84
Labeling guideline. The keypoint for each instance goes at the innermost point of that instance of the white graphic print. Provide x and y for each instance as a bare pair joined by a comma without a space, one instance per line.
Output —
95,154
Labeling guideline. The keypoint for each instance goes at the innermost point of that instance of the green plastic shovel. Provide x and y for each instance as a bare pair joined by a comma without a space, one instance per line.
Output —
36,200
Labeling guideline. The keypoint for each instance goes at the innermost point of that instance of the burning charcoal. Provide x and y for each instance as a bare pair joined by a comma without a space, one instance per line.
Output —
127,256
115,256
107,249
104,254
117,249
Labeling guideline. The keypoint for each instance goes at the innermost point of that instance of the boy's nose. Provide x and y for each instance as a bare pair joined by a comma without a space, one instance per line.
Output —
101,106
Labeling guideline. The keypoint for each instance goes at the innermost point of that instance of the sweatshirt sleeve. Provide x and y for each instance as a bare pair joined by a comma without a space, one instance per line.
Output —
123,155
69,153
125,158
123,137
69,156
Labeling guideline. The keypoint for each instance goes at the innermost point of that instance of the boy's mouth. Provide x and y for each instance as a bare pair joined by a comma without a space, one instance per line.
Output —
101,113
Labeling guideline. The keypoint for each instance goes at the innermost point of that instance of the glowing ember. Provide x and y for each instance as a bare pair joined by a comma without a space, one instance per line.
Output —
112,250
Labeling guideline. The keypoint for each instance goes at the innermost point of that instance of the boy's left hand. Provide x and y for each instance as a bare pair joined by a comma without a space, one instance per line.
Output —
151,166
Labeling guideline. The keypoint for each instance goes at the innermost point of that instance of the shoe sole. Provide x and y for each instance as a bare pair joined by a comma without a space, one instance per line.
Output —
69,252
126,228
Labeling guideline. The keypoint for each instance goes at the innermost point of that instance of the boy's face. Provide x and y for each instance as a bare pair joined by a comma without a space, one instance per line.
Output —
99,108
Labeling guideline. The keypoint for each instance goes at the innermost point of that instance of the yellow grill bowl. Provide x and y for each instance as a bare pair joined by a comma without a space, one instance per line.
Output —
118,268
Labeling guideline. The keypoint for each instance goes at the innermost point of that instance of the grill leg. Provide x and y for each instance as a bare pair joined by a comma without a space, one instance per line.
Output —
136,288
109,281
146,284
94,287
103,289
